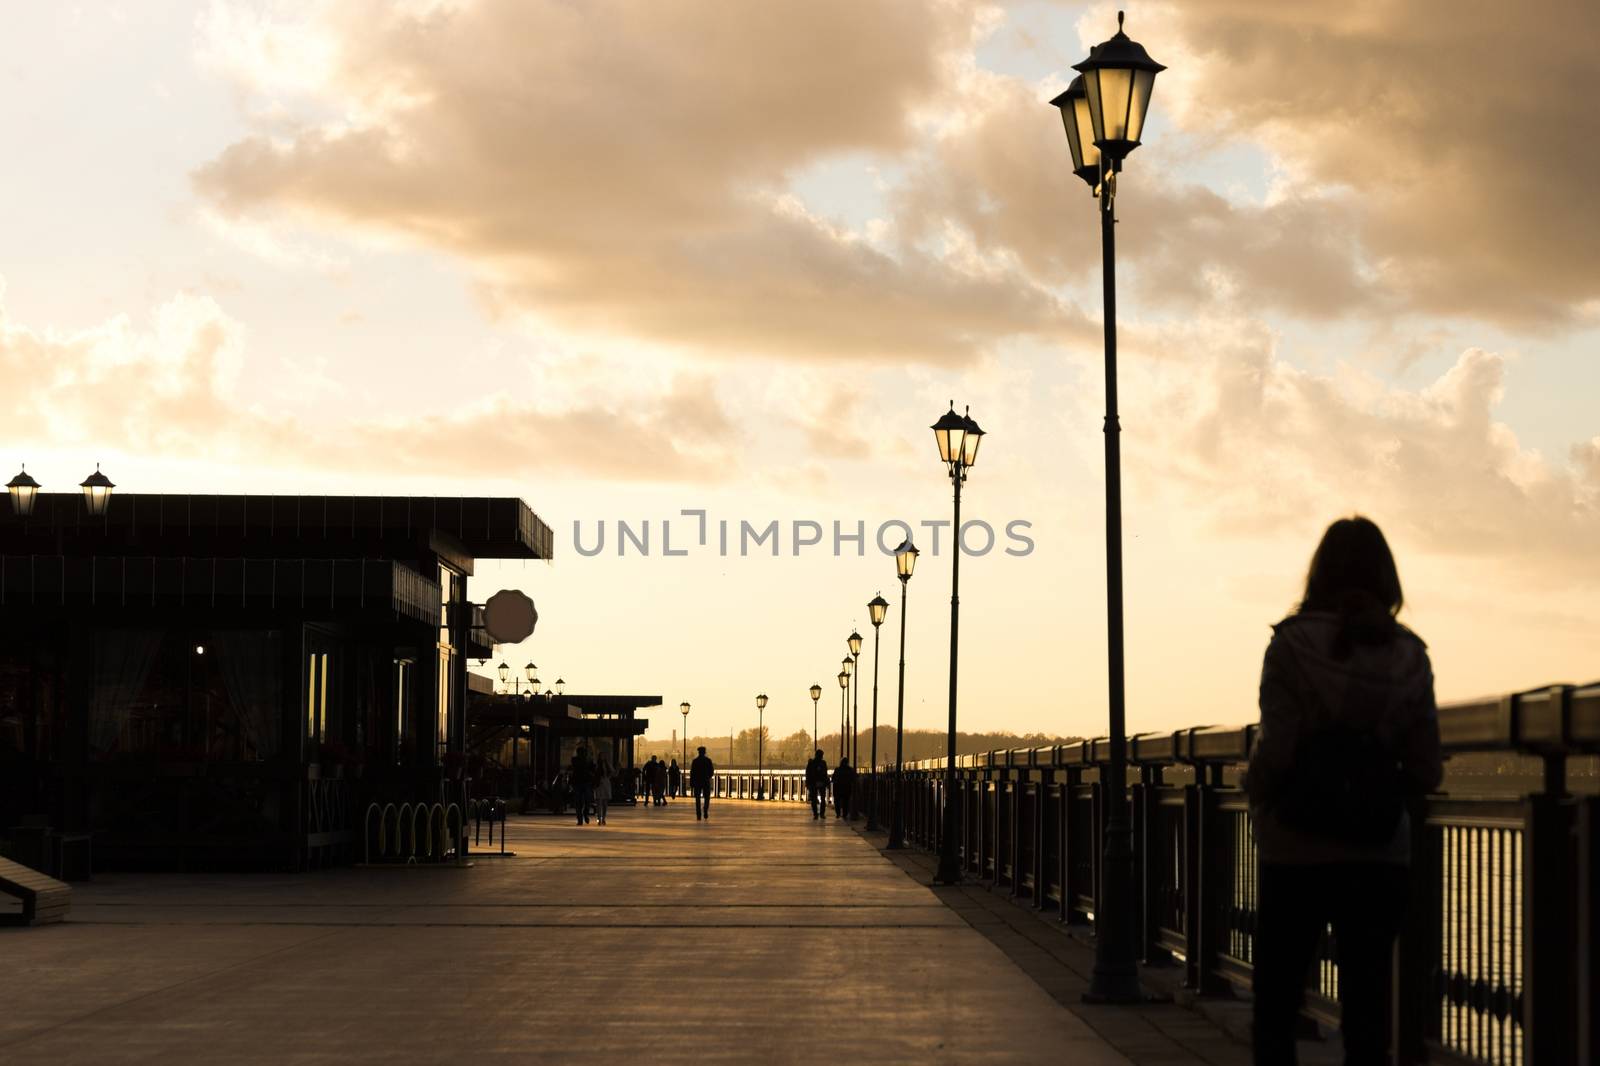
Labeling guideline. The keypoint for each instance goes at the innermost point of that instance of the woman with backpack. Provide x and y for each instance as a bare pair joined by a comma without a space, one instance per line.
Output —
1349,735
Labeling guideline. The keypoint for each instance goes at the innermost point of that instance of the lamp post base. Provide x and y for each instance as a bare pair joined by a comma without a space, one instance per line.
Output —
949,872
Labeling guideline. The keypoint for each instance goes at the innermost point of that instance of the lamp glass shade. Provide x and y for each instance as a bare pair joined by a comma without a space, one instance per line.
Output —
844,679
683,708
23,490
504,670
1118,78
854,640
816,692
848,665
529,671
96,492
534,683
761,701
905,559
969,443
878,608
948,433
1074,107
561,687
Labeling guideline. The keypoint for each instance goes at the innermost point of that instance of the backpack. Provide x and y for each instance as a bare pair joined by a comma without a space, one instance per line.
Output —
1345,786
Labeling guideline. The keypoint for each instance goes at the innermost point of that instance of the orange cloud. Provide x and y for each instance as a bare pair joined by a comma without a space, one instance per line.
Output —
612,167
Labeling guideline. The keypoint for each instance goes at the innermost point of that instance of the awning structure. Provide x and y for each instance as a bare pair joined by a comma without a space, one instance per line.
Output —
120,581
264,526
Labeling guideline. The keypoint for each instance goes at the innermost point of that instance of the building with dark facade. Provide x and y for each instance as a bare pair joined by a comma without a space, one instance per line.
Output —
229,681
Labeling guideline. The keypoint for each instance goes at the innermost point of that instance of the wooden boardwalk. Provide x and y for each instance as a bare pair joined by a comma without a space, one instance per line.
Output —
759,936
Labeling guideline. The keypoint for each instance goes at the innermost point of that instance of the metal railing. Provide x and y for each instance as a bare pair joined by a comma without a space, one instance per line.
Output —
1497,962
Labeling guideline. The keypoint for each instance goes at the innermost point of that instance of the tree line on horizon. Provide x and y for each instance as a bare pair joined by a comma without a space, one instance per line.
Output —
792,752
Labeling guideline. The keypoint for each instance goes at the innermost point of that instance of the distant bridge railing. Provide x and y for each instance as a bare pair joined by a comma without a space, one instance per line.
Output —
776,785
1499,959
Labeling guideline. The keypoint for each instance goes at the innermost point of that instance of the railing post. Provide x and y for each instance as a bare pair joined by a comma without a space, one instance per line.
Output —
1588,927
1097,804
1147,842
1549,912
1071,845
1041,836
1203,833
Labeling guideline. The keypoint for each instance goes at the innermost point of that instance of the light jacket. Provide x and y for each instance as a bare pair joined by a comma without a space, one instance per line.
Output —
1387,688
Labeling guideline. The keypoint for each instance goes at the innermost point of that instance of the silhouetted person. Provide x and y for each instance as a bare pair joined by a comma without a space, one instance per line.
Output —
649,782
700,771
636,779
817,784
658,783
674,779
844,787
1349,734
581,770
602,790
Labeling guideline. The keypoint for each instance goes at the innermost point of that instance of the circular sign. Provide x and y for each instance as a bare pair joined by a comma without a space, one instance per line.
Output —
509,617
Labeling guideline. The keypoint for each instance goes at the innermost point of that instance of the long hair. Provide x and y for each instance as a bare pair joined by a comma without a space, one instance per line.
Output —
1353,575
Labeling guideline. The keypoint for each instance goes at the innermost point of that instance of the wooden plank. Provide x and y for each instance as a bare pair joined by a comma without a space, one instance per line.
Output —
44,899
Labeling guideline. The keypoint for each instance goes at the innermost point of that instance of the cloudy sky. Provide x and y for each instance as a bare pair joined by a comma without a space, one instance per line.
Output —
629,259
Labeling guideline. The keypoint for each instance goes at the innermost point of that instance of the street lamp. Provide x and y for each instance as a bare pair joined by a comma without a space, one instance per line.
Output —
848,667
958,437
816,694
561,687
761,783
853,642
905,561
877,608
683,709
844,683
96,492
504,670
23,490
1113,95
529,671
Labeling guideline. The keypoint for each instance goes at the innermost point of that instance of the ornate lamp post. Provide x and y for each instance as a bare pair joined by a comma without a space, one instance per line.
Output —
816,694
97,492
516,732
905,561
561,687
22,489
877,608
848,666
504,670
683,709
844,684
761,782
1103,111
853,642
958,437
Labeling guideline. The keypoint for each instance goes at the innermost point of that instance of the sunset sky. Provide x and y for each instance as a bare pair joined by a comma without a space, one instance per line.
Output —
626,259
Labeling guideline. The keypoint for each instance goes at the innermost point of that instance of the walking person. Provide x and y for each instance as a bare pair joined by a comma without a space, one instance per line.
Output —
602,790
674,779
648,783
817,784
659,785
1349,737
700,772
844,787
582,771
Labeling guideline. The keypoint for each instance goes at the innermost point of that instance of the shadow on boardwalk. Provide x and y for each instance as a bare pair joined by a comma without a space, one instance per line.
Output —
758,936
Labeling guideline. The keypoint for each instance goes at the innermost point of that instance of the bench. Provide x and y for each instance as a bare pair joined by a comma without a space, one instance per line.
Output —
44,899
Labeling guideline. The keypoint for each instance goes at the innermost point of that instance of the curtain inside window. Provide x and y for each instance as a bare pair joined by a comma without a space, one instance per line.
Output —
251,663
122,662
